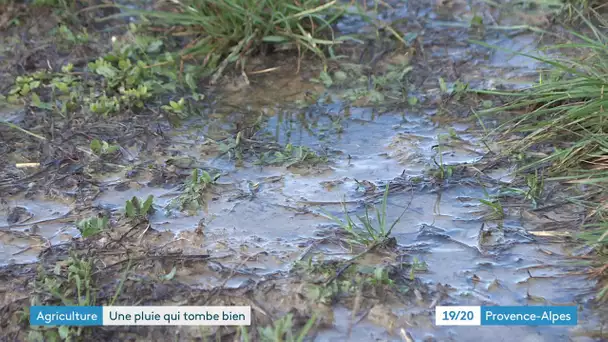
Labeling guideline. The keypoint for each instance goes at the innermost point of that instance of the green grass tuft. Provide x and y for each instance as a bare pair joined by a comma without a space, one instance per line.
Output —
566,110
367,232
565,116
221,32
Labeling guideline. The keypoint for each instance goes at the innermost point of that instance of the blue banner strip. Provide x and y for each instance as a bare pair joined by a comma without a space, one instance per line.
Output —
529,315
66,315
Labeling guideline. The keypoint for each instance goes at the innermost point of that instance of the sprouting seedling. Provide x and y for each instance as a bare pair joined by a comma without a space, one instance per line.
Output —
196,187
282,330
291,156
536,185
134,207
496,209
92,226
417,266
178,108
444,171
367,232
101,147
203,178
381,277
442,85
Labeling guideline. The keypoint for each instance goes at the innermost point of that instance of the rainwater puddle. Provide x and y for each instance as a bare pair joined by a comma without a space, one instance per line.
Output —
285,212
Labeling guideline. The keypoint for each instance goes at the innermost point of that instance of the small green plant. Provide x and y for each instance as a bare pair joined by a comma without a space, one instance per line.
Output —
71,39
535,187
325,294
378,88
125,74
60,90
412,100
127,80
282,330
443,171
105,105
596,236
175,107
132,74
381,277
196,188
72,282
291,156
134,97
176,110
76,288
496,209
101,147
59,81
417,266
92,226
536,184
443,86
134,208
325,78
25,84
233,148
203,179
459,90
367,232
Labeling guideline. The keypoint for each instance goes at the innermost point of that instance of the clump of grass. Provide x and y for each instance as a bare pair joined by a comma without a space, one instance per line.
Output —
443,171
281,330
102,147
572,7
75,286
72,282
136,209
566,111
92,226
564,9
195,191
596,235
569,110
291,156
496,210
225,31
377,88
367,232
535,188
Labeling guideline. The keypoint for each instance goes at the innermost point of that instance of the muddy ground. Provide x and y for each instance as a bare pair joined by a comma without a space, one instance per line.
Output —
260,234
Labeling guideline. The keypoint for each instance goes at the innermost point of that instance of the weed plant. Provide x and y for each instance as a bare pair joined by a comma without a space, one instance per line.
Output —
367,232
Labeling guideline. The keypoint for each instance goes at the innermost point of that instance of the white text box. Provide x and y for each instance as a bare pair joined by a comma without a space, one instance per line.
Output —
458,315
177,315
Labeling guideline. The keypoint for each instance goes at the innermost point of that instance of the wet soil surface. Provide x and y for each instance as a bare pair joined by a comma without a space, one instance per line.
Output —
262,236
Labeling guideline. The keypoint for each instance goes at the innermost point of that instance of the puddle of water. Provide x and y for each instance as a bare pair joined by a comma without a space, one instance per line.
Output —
23,243
380,149
527,44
